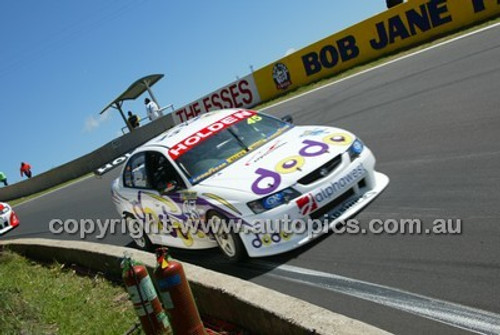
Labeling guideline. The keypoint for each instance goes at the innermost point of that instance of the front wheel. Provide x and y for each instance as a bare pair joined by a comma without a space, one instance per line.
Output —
137,233
229,242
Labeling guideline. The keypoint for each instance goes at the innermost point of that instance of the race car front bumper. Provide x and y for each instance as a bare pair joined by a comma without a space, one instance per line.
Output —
323,205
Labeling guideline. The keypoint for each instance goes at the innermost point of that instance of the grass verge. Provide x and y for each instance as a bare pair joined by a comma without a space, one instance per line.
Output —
36,299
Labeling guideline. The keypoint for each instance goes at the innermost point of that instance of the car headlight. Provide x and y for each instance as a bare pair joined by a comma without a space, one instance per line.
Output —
356,149
274,200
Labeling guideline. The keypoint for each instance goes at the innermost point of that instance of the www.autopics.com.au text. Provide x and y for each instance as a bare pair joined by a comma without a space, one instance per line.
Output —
136,228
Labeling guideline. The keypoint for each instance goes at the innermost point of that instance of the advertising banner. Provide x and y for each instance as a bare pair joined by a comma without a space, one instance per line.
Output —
405,25
238,94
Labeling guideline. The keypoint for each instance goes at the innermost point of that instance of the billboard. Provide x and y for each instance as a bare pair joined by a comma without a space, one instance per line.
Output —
241,93
403,26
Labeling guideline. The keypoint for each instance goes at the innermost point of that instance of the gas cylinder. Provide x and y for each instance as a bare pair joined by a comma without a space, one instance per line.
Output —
143,295
176,296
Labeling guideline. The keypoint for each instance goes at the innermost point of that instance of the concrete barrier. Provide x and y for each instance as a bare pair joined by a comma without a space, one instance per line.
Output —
87,163
255,308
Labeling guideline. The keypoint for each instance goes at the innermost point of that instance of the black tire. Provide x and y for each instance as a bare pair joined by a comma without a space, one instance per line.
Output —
229,243
142,242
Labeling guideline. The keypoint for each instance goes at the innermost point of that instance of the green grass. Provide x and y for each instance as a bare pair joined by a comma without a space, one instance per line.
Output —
379,61
36,299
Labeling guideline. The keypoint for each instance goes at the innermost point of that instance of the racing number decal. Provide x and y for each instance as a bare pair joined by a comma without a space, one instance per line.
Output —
254,119
272,179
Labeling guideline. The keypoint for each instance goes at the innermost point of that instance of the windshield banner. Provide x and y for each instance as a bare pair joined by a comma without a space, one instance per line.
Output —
182,147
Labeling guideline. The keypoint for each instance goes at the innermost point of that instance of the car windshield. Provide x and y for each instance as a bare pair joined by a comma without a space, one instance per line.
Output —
229,145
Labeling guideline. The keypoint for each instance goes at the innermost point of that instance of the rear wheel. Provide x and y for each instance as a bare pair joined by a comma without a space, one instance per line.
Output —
137,233
228,241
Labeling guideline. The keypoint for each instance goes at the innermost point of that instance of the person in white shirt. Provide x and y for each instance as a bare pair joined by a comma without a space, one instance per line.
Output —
152,109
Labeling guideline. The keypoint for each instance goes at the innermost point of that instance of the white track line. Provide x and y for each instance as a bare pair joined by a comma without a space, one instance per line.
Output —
458,316
53,191
385,64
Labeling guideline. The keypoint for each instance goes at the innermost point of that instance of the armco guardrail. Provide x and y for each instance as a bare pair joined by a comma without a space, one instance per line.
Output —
259,310
87,163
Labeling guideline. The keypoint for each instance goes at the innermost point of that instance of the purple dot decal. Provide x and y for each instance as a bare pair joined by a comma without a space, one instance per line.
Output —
313,148
267,182
290,164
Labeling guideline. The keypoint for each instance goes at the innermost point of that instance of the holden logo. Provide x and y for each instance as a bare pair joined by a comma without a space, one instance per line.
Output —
281,76
306,204
324,172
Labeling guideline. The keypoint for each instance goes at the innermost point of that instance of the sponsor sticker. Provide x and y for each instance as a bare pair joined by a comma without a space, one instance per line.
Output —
349,204
184,146
281,76
314,132
307,204
261,154
169,282
147,289
167,299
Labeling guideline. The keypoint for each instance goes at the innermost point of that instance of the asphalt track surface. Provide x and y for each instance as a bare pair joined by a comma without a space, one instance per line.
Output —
433,122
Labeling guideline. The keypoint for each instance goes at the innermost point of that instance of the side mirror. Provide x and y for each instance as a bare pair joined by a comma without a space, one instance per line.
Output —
287,118
170,187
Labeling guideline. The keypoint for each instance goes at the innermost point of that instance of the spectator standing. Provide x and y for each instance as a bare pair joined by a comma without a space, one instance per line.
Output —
25,169
152,109
3,178
133,120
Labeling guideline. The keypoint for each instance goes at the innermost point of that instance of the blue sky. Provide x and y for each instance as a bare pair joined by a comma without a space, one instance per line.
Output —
61,62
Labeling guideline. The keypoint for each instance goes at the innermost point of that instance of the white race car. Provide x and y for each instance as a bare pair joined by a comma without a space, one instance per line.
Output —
8,218
250,183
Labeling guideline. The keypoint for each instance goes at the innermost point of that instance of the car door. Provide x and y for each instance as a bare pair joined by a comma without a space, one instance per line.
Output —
137,189
174,204
162,201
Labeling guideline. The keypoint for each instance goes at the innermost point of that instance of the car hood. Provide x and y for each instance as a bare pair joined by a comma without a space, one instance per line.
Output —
242,174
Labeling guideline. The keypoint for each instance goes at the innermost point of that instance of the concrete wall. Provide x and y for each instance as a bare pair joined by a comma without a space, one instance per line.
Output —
87,163
255,308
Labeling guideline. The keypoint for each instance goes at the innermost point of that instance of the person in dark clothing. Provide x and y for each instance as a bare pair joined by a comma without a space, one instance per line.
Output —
133,120
25,169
